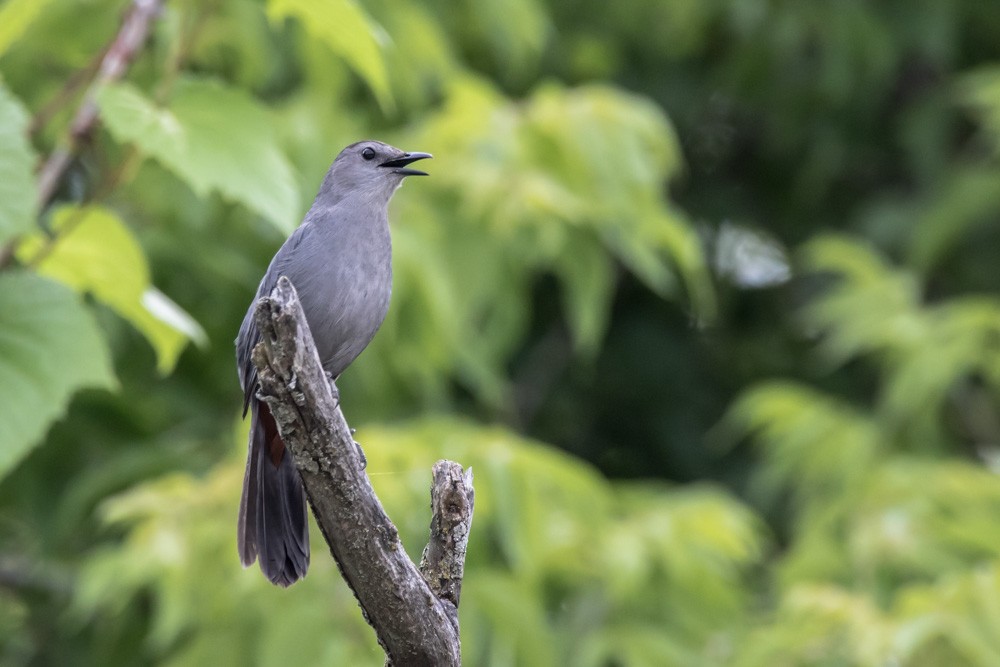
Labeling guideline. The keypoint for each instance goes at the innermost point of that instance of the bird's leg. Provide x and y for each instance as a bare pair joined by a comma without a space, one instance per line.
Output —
361,452
336,404
330,379
357,445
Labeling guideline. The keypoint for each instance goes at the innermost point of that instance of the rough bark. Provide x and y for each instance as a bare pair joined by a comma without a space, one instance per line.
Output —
415,619
443,562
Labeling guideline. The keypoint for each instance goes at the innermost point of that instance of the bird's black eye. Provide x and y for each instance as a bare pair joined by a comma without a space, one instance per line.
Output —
368,153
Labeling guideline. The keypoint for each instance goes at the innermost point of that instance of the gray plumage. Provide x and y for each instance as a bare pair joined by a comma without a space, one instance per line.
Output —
340,262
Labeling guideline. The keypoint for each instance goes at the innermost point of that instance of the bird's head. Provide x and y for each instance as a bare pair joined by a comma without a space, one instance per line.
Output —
370,170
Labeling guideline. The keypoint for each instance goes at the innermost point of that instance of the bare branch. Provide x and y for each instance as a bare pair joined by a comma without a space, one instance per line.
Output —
413,624
443,560
115,61
127,43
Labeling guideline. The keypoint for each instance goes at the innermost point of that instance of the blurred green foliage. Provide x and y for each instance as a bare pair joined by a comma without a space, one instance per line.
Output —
735,261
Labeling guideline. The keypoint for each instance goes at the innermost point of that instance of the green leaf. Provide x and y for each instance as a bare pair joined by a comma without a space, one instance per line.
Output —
869,308
967,200
212,137
632,644
17,161
588,280
50,346
344,27
499,600
95,252
812,442
15,18
513,32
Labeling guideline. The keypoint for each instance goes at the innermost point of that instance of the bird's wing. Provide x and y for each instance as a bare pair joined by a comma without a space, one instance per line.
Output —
248,336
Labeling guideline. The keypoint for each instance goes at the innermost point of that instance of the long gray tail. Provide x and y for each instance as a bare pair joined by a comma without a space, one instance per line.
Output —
272,523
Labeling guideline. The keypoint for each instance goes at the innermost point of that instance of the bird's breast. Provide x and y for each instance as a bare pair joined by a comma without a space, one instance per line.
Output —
345,298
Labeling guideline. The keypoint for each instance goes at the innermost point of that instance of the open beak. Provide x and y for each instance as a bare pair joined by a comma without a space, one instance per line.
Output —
398,165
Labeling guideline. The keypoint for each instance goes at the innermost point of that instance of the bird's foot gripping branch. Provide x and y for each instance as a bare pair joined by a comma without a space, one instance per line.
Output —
413,611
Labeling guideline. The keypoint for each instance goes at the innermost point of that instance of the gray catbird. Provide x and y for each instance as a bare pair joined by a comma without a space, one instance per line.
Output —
339,261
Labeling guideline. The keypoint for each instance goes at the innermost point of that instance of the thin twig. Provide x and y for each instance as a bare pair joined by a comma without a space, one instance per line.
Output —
177,56
68,91
109,183
115,61
121,53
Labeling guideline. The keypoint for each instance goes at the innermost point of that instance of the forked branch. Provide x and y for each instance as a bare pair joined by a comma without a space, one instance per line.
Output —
414,612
